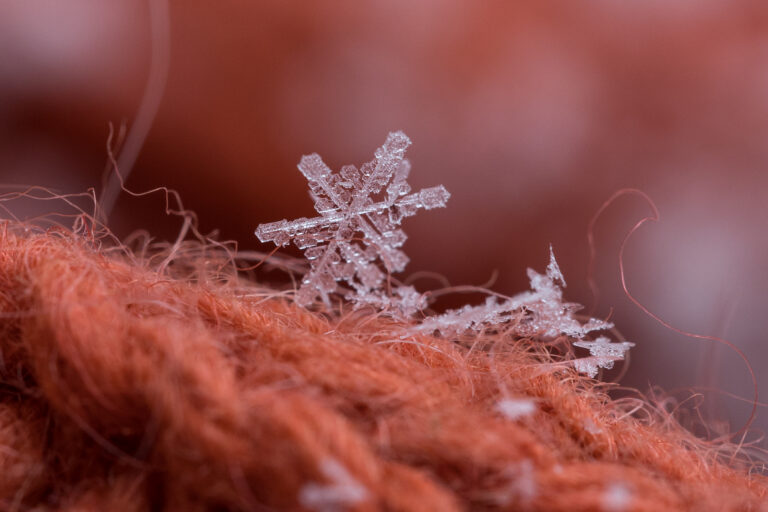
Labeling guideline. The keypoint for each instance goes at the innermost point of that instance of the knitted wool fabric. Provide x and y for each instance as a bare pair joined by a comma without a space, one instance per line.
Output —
124,387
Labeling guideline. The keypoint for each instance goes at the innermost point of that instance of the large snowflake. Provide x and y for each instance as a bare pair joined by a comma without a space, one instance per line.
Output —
356,239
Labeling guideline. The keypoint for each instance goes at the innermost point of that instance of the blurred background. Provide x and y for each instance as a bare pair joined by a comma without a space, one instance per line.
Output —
531,113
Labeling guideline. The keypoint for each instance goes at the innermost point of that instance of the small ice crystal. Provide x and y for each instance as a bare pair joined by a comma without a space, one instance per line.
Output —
591,365
591,427
604,347
616,498
553,269
356,238
521,487
603,353
341,493
516,408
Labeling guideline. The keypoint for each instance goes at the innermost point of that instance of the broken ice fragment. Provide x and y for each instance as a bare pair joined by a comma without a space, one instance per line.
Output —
539,313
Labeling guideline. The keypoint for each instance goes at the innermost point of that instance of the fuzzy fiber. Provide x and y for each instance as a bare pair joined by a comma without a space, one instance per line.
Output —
150,383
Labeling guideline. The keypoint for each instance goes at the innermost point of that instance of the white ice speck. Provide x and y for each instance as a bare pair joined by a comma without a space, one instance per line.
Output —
342,492
616,498
522,485
591,427
515,408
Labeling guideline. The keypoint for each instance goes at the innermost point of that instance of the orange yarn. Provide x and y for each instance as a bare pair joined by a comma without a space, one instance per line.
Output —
122,388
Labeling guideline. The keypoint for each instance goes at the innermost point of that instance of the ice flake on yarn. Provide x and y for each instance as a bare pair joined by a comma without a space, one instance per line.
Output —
340,494
521,488
603,353
604,347
591,365
616,498
516,408
540,312
356,239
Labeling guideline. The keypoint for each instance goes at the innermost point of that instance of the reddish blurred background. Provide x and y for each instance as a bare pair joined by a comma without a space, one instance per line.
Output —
531,113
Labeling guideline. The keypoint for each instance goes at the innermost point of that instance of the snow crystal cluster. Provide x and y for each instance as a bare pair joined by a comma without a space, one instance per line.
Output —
356,239
355,242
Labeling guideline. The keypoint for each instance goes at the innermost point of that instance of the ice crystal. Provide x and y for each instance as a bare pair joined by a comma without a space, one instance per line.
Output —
604,347
617,498
516,408
341,493
591,365
603,353
355,242
356,239
521,488
540,312
591,427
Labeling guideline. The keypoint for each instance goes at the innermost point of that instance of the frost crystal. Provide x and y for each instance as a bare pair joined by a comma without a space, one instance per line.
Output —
357,232
591,365
603,354
540,312
604,347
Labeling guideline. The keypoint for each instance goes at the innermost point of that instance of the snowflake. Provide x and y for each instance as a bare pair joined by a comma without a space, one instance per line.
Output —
540,312
357,232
